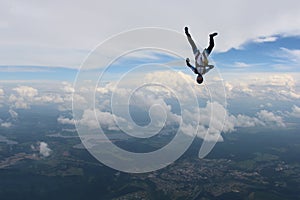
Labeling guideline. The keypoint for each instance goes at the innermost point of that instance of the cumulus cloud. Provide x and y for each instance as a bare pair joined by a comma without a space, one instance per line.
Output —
215,125
269,118
295,111
106,120
254,85
213,121
44,150
6,124
263,86
64,120
67,87
26,91
24,95
209,128
244,121
13,114
263,118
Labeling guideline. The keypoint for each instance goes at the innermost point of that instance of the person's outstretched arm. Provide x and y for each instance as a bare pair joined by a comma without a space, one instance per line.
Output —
210,67
207,68
190,66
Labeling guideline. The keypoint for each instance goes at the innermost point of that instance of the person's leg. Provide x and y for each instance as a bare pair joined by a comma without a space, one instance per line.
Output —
191,41
211,43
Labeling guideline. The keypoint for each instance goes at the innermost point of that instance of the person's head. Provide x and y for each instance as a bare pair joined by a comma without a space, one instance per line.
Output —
199,79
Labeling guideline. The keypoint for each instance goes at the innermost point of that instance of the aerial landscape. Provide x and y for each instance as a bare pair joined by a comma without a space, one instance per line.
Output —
106,100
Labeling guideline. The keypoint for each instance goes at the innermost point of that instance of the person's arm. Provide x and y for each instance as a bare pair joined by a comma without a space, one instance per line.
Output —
190,66
208,67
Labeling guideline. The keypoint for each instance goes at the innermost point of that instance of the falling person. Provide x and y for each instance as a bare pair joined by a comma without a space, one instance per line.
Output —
201,61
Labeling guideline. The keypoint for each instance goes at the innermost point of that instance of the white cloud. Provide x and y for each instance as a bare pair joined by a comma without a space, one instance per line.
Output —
269,118
67,87
216,124
290,54
278,86
265,39
26,91
6,124
253,85
295,111
13,114
24,95
18,102
243,121
64,120
44,150
106,120
241,64
2,97
274,86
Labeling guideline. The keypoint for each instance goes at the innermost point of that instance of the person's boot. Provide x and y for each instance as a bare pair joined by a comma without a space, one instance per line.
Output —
213,34
186,30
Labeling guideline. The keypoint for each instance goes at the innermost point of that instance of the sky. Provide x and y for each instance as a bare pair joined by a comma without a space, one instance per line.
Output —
255,82
62,33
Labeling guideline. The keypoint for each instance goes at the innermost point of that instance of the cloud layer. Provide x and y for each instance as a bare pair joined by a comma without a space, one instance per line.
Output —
160,105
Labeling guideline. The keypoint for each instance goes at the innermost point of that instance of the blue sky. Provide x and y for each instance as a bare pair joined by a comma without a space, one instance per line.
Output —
32,35
261,56
250,57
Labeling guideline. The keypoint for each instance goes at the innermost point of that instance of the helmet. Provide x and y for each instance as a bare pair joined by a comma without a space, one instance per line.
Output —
199,79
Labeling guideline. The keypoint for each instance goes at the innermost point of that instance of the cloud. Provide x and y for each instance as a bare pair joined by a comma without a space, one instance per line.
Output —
274,86
24,95
245,65
269,85
295,111
265,39
13,114
26,91
243,121
265,86
214,125
6,124
290,55
64,120
262,118
2,97
67,87
106,120
44,150
241,64
269,118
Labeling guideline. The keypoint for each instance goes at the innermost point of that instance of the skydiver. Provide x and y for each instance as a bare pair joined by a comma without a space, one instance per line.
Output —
201,61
